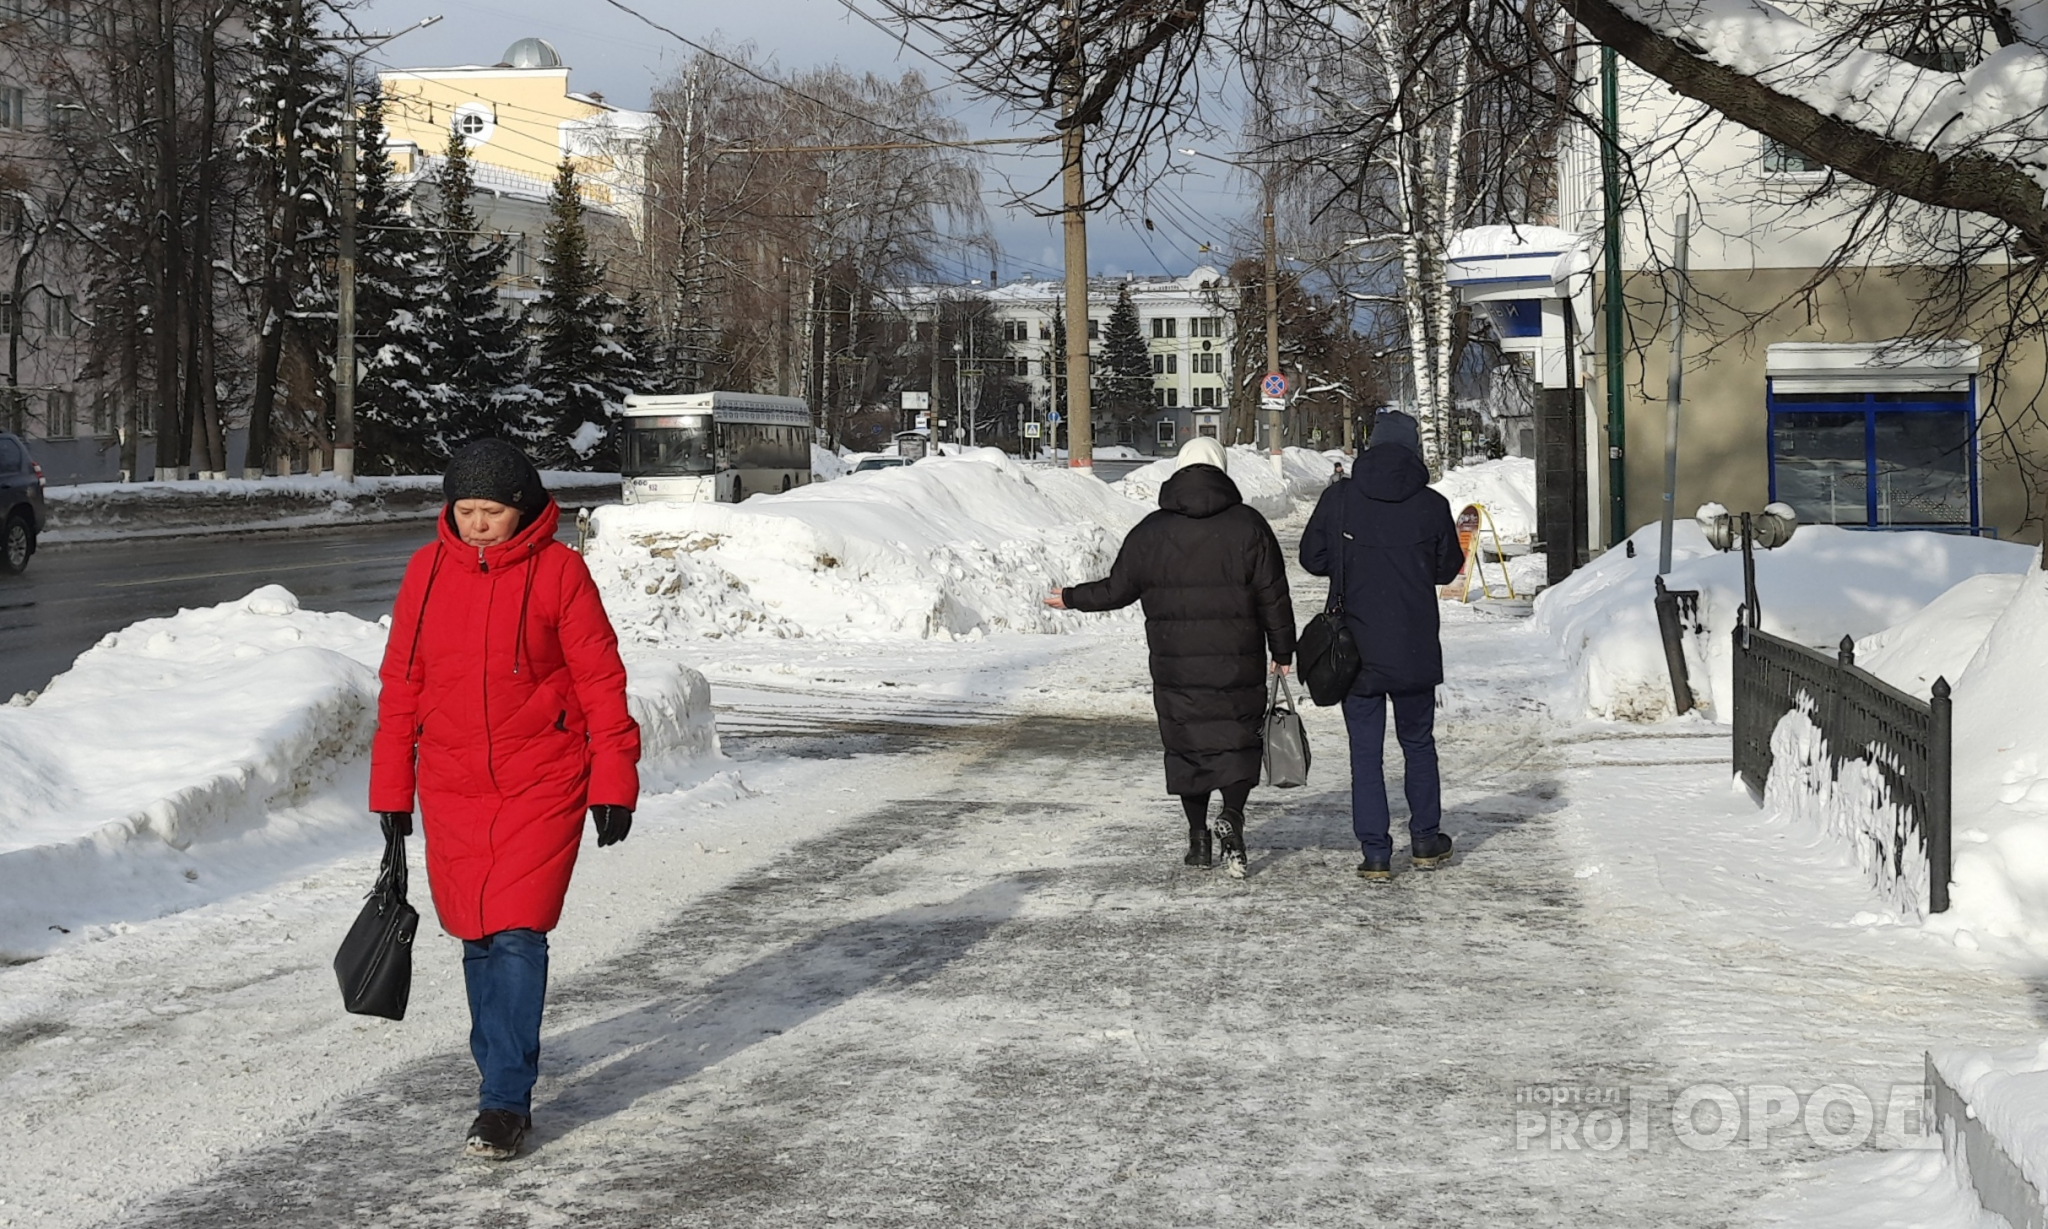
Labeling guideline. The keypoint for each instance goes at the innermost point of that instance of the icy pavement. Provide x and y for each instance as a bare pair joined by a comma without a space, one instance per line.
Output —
931,958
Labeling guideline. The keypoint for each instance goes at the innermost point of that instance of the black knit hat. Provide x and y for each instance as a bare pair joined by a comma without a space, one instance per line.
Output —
1394,427
496,470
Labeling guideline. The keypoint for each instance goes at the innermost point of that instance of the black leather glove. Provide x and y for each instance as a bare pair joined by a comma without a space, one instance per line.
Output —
395,823
613,823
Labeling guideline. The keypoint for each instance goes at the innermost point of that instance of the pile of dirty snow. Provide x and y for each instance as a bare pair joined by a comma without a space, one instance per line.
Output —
186,758
950,546
1506,488
1826,583
1302,474
827,465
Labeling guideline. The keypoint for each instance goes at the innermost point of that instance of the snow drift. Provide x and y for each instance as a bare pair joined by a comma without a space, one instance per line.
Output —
184,758
1506,487
950,546
1303,475
1826,583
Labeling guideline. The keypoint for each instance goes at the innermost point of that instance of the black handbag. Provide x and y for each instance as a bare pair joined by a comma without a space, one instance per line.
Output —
374,964
1326,654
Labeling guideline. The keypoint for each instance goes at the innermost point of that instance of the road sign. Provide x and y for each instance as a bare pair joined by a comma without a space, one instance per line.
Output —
1031,430
1272,403
1053,418
1274,386
924,421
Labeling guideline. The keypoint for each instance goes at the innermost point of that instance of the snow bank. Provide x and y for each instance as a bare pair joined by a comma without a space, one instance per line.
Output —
98,510
827,465
1824,584
2006,1091
1507,489
947,547
188,757
1303,475
1940,640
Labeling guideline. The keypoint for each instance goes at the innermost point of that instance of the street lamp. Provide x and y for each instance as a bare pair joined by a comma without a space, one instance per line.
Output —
345,262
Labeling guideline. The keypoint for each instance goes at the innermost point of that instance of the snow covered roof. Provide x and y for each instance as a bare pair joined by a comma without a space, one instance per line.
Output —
1899,365
1046,293
1512,261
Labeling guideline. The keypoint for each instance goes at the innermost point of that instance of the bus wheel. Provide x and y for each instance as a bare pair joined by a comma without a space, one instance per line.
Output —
786,480
739,490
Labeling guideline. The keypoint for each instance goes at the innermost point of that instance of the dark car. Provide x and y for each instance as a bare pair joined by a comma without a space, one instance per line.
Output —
22,511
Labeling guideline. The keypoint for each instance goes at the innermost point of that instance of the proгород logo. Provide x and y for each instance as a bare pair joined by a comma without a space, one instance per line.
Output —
1706,1117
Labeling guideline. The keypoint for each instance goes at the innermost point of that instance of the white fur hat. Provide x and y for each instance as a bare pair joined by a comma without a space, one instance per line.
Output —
1202,450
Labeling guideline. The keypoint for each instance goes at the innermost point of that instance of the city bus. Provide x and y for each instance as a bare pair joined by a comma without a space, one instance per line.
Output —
705,447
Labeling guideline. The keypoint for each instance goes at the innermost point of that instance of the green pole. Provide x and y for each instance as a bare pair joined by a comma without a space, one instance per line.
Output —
1610,190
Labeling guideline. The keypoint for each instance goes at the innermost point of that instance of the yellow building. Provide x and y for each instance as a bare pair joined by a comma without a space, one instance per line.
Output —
519,120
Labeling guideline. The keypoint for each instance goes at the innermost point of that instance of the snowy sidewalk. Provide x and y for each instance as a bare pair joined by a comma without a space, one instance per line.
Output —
952,973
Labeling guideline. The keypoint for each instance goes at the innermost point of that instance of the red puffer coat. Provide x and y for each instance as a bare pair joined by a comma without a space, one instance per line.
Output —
504,709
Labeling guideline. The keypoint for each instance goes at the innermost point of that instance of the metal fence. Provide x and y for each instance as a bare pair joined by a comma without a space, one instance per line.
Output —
1905,740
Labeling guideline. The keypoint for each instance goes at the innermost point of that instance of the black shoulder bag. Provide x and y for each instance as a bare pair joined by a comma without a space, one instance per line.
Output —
374,964
1326,655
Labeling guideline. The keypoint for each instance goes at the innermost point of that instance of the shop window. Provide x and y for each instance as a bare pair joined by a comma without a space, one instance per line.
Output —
1166,433
1876,460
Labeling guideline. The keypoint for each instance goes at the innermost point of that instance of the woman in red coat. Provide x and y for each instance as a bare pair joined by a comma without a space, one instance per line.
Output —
503,713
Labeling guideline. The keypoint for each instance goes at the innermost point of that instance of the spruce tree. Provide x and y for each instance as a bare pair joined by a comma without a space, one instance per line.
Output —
476,351
642,367
1126,385
578,358
396,399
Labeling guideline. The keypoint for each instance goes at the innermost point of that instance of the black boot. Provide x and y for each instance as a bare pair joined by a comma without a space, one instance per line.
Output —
1230,833
1431,851
1201,854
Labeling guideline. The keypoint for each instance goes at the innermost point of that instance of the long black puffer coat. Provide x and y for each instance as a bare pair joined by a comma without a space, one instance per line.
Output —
1214,586
1398,543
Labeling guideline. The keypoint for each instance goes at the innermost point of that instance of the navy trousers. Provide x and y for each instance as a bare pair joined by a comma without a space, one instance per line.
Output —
507,977
1365,718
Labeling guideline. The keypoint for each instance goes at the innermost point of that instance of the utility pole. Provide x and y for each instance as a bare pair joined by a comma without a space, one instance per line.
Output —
345,259
1080,426
1272,314
1610,191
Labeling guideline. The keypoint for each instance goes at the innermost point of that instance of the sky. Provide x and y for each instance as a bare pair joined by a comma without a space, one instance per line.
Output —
613,53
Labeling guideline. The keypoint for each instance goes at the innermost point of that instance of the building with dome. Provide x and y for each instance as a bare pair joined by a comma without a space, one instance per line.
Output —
519,119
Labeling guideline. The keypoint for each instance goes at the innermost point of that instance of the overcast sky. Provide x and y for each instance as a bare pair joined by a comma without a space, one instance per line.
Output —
615,54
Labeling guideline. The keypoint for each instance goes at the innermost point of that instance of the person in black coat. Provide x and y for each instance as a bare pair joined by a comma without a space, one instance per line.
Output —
1389,540
1213,582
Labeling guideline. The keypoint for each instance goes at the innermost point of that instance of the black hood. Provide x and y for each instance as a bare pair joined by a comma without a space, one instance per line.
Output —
1198,491
1390,473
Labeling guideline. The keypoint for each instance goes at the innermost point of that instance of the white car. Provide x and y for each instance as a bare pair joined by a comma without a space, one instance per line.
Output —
872,463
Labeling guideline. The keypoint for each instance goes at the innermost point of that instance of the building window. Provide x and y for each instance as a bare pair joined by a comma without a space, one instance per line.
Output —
104,413
60,415
11,104
1165,436
58,317
1206,395
1205,326
1094,329
1208,364
1163,326
1784,160
1045,330
1016,330
60,21
1172,398
7,320
61,112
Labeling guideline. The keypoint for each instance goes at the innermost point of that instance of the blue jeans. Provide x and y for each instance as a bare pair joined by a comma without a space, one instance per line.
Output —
507,977
1365,717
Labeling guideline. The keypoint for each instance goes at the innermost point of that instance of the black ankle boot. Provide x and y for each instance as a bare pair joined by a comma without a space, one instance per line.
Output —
1201,853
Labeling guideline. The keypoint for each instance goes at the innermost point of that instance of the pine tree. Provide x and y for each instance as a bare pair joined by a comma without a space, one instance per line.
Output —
1125,385
642,369
578,358
396,398
295,101
476,351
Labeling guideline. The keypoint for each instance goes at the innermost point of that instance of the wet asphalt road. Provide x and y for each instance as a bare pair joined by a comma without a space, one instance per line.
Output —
75,593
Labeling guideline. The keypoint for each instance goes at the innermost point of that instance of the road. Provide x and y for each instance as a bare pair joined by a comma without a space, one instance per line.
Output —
73,594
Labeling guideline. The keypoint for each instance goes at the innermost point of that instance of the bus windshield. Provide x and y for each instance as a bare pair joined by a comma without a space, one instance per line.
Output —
672,444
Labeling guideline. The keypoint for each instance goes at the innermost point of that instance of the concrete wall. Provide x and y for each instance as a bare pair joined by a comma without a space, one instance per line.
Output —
1723,436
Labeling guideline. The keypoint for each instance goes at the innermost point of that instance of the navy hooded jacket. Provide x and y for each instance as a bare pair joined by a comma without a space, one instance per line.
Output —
1390,539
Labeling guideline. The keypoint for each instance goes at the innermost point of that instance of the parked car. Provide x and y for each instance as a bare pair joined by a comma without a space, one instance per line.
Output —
868,463
22,510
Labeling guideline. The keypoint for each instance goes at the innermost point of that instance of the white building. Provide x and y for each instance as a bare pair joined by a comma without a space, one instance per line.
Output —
1189,323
